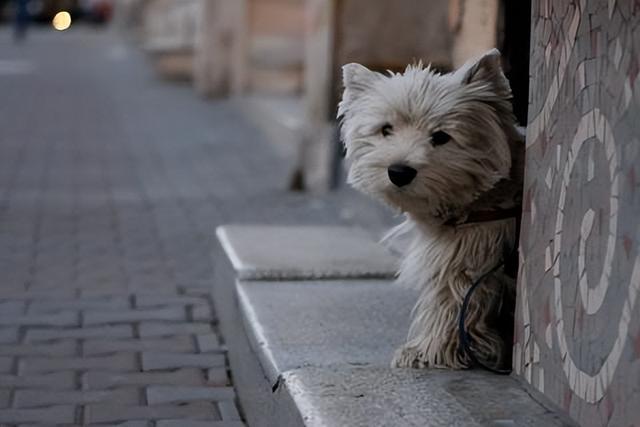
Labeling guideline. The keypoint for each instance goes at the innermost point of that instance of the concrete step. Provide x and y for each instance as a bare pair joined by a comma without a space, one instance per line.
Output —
292,324
295,253
310,344
375,396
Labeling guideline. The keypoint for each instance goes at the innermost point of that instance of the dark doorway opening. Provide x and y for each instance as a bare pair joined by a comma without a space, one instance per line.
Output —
514,43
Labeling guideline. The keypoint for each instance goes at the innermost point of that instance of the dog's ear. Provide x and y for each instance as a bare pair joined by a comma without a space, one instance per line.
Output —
356,79
485,69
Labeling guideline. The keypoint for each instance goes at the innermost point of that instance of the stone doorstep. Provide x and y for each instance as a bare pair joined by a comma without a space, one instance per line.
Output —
295,253
366,396
291,324
324,346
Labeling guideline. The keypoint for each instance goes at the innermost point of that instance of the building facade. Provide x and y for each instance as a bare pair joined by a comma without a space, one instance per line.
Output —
578,321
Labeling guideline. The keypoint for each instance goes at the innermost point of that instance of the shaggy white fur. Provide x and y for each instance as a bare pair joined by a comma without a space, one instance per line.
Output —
438,147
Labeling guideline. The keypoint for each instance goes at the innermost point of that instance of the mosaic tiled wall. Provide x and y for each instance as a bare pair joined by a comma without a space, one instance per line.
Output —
578,320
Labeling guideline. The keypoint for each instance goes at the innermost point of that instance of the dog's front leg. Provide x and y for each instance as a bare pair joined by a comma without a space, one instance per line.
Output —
433,334
434,340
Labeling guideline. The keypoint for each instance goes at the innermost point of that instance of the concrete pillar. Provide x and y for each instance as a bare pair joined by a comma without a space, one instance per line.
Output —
377,33
578,320
474,26
168,33
268,55
218,33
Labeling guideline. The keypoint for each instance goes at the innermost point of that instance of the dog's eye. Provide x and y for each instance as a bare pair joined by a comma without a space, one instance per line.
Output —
386,130
440,138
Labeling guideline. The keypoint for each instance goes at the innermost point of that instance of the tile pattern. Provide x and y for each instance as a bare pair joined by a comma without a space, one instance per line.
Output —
111,185
578,324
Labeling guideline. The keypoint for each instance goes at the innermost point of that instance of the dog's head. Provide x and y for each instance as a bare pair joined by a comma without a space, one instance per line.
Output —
427,143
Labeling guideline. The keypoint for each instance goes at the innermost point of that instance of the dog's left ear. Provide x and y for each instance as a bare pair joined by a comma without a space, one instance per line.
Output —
485,69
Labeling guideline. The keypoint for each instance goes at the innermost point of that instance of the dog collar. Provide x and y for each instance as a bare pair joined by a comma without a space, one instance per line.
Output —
510,256
486,216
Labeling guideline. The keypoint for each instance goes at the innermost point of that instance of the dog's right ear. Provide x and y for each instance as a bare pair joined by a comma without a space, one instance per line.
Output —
356,79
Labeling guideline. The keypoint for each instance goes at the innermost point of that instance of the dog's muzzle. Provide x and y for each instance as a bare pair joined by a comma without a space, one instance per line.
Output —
400,174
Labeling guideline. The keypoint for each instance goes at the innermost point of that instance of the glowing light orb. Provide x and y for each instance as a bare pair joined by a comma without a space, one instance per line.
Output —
61,21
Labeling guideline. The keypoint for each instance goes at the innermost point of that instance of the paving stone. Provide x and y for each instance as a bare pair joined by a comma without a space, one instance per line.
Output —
106,413
61,348
122,362
169,394
105,303
12,307
38,398
209,343
65,318
228,410
118,331
218,376
201,290
101,380
152,300
125,316
153,361
125,424
6,365
8,335
107,289
35,294
182,423
157,329
201,313
63,414
5,398
49,425
176,344
55,381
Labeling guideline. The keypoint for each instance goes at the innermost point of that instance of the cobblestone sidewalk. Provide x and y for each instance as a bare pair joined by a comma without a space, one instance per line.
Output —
111,185
105,316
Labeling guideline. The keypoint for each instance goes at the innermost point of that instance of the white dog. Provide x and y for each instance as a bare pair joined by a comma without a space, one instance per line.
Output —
445,150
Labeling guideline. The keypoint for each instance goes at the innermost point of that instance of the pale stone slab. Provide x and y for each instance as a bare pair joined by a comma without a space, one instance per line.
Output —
320,323
365,396
304,252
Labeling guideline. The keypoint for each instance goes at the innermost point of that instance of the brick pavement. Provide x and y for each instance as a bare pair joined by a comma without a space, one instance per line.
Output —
111,184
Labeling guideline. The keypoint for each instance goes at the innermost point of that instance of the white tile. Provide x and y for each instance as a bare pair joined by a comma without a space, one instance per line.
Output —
617,56
548,180
547,259
548,336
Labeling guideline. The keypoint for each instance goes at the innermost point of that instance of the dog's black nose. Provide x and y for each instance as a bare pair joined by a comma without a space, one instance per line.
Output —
400,174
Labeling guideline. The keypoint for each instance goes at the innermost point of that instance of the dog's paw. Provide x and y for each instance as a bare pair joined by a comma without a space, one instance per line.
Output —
409,357
413,357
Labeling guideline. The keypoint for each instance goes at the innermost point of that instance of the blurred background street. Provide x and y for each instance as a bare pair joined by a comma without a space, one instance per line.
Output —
111,184
131,129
